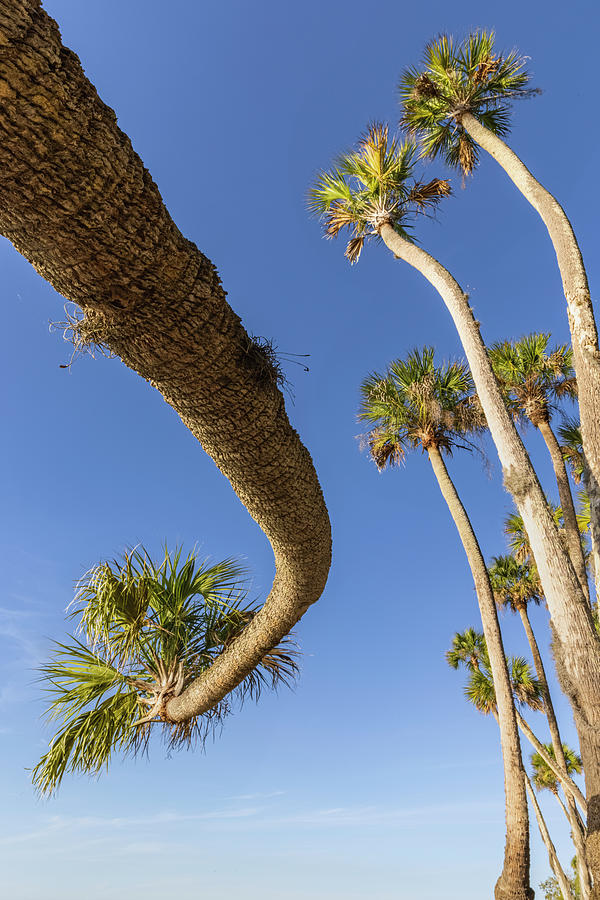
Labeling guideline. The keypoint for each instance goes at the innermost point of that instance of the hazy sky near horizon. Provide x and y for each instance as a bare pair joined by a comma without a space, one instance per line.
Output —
373,778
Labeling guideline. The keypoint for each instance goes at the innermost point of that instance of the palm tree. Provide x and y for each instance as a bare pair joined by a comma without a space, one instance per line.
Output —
469,649
545,779
533,378
459,99
561,879
77,202
515,585
371,192
149,630
417,405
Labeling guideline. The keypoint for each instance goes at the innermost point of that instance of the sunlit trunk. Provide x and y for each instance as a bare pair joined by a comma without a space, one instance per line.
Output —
78,203
578,647
514,880
584,334
555,865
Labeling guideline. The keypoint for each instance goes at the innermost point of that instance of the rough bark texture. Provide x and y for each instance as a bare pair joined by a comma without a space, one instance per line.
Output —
568,507
514,879
577,829
555,865
577,642
78,203
584,334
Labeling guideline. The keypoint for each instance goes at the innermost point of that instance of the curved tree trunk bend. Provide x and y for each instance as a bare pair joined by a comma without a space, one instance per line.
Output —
513,883
578,663
77,202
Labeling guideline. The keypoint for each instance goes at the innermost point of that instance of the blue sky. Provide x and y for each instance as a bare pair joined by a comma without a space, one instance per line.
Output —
373,778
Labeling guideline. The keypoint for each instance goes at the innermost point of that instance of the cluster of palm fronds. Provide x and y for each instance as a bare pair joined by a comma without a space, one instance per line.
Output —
148,630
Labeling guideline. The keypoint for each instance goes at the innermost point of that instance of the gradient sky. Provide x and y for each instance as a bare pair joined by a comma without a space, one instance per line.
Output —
373,778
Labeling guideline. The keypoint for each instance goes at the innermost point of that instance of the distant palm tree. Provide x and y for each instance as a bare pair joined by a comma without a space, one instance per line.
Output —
459,99
417,405
515,585
544,778
572,450
561,881
371,192
533,378
148,630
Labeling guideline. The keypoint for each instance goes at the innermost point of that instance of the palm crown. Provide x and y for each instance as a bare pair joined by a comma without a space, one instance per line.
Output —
469,649
458,78
544,777
514,584
416,404
531,377
370,186
148,631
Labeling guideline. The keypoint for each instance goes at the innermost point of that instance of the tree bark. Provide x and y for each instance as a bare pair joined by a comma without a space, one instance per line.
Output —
77,202
577,829
584,334
555,865
578,644
514,880
568,507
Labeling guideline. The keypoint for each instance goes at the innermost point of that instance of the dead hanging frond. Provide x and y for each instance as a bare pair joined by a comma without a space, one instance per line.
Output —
486,69
424,88
384,448
86,331
424,196
466,155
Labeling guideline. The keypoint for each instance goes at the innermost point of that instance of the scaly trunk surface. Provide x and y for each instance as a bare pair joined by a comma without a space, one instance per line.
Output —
77,202
555,865
514,879
578,644
584,334
577,829
568,507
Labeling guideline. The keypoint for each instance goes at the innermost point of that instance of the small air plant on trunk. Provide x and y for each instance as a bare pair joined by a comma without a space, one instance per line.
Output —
148,631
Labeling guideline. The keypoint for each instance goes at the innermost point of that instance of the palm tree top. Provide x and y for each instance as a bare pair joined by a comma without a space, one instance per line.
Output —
416,404
456,78
514,583
370,186
148,630
543,776
469,649
532,376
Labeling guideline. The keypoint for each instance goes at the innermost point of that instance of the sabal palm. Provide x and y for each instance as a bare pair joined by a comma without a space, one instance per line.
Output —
416,405
458,99
543,776
561,585
533,379
371,186
516,585
148,631
572,449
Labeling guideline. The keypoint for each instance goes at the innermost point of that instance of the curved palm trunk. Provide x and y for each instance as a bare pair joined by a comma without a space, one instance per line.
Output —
78,203
514,880
577,830
568,507
584,335
555,865
579,647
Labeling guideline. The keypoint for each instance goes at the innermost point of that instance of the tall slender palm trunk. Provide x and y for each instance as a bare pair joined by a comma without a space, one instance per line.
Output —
578,644
577,830
77,202
555,865
584,334
568,507
566,781
514,880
